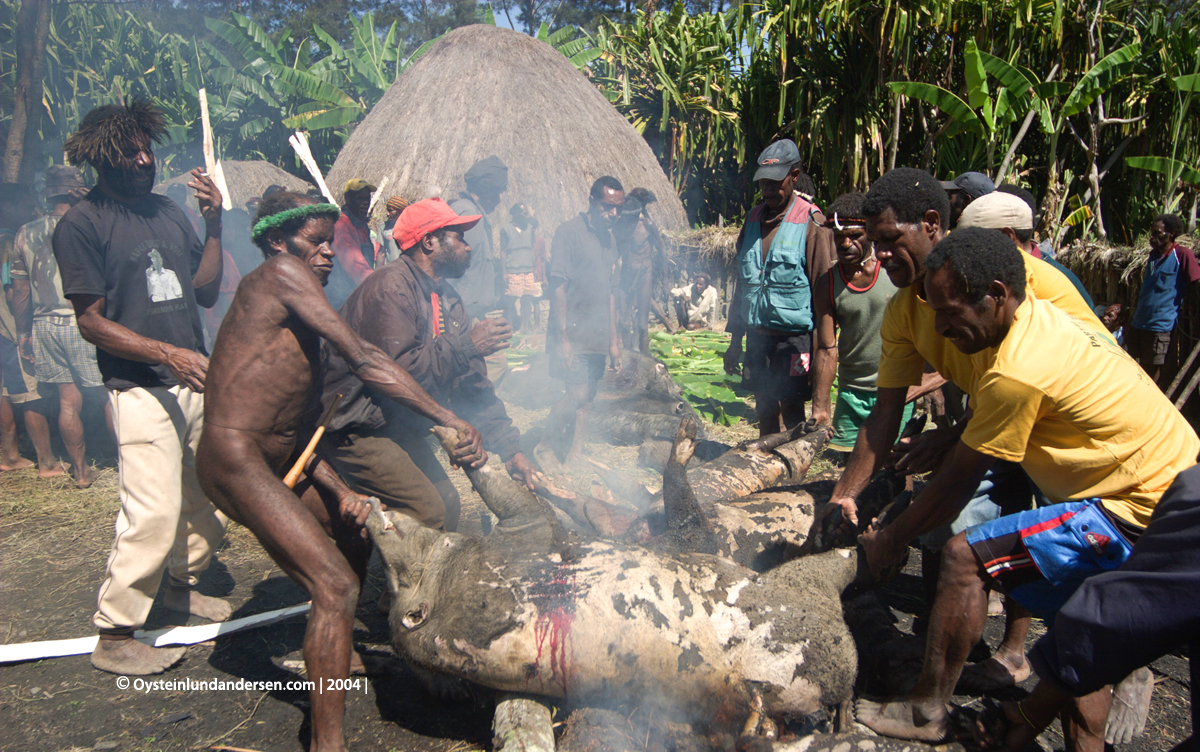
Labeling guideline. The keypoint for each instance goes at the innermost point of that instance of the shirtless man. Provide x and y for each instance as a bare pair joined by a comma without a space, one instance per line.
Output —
262,383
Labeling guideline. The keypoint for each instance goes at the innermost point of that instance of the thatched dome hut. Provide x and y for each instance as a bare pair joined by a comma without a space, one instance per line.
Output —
483,90
246,180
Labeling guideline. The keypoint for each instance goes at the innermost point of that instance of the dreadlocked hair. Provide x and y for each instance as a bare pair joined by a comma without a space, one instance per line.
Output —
278,212
106,133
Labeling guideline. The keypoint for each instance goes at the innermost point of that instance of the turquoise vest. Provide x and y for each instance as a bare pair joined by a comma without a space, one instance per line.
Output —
775,293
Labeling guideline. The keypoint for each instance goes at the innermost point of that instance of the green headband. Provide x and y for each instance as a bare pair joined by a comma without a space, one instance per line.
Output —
275,221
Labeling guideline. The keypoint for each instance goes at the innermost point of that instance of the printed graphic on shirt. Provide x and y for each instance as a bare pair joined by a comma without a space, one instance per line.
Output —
162,284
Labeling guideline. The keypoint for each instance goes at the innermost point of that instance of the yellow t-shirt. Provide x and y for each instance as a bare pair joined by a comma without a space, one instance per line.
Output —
910,340
1079,414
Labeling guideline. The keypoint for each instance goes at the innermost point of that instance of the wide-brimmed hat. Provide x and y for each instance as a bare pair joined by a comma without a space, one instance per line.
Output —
61,180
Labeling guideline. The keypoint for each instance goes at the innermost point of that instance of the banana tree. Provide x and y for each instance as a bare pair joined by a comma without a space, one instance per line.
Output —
1175,170
670,74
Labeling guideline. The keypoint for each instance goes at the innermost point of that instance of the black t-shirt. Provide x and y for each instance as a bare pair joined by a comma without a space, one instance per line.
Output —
583,260
140,257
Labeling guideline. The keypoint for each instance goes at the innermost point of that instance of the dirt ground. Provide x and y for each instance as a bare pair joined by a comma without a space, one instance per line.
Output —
53,543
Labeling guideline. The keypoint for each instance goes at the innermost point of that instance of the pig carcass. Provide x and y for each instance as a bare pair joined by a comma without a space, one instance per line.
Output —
526,609
753,527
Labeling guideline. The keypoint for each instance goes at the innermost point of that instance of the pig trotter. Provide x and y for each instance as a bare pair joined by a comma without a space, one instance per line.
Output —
688,528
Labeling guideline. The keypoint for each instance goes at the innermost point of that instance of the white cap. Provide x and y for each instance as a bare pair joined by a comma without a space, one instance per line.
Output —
995,211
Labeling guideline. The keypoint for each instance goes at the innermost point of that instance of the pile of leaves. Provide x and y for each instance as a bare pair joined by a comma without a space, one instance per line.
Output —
694,360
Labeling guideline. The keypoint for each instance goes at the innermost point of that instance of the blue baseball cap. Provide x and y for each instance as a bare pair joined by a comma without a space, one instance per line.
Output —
777,160
974,184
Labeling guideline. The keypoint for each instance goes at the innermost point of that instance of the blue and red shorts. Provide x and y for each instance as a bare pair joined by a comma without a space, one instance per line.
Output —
1041,556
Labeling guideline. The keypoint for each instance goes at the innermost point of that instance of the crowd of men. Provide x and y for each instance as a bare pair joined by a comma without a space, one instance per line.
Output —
1068,483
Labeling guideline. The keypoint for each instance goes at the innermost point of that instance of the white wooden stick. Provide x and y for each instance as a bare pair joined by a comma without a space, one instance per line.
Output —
299,143
211,165
378,193
29,651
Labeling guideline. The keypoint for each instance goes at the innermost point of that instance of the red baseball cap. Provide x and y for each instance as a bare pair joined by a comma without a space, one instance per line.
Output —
426,216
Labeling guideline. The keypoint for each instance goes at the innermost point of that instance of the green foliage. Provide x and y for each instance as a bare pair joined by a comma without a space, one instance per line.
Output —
694,361
947,85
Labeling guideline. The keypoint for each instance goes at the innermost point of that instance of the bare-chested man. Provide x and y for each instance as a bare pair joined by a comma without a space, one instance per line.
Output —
262,383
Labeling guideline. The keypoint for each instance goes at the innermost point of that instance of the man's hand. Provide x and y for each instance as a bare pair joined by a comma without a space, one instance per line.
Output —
881,552
614,352
733,358
520,469
469,452
849,509
565,353
25,348
187,366
925,452
208,196
821,417
491,336
354,507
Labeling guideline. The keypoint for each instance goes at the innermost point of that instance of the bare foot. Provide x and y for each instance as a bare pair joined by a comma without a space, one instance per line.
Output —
134,658
20,463
996,673
86,478
1130,707
188,601
53,471
903,719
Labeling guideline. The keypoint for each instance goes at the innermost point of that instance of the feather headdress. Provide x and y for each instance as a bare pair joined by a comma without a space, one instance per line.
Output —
106,132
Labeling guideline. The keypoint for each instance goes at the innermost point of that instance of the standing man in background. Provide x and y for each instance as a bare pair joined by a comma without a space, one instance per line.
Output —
353,247
517,240
483,284
61,355
851,297
1170,270
151,356
583,312
781,249
18,384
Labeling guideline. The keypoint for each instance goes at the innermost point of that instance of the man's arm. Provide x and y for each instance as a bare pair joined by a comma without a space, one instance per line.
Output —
22,305
206,282
875,440
939,503
825,359
558,310
302,295
351,505
820,247
736,328
614,340
187,366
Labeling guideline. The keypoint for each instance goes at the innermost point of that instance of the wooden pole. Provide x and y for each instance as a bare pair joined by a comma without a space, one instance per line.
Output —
1187,365
299,143
293,475
211,165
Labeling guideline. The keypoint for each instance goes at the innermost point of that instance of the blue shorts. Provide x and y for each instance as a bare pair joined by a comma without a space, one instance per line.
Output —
1005,489
1040,557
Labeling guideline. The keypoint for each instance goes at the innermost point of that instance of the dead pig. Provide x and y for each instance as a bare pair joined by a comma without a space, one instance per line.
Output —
526,610
631,420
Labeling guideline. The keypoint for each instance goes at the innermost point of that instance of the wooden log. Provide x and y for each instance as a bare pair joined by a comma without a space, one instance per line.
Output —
521,724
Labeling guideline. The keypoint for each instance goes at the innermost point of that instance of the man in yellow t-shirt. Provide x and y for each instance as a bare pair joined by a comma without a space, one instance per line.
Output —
906,211
1083,420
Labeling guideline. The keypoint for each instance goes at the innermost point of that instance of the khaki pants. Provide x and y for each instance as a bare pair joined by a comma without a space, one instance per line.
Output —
165,522
404,474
